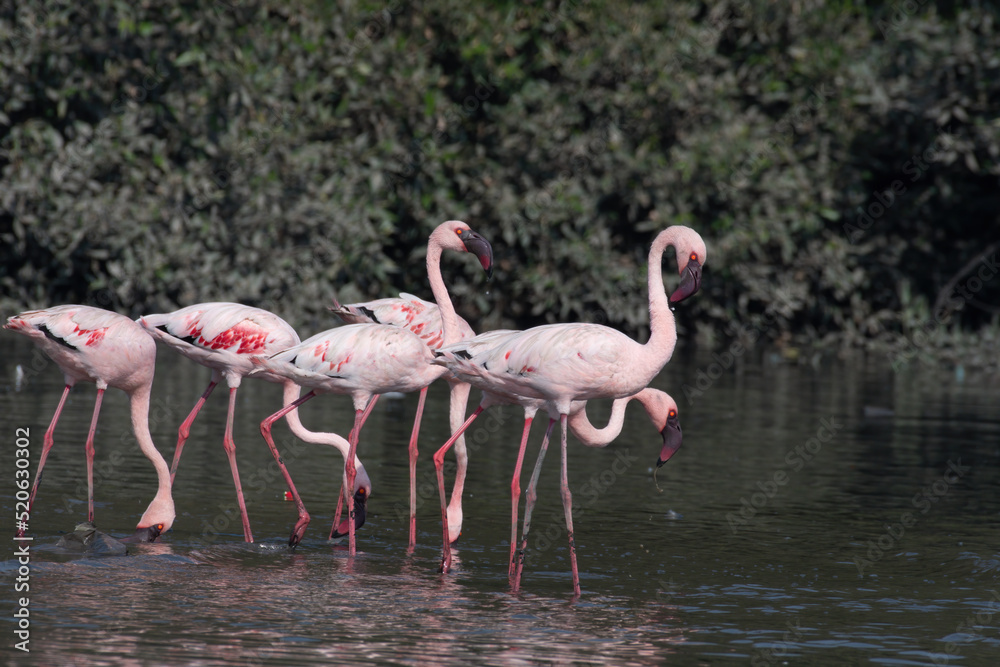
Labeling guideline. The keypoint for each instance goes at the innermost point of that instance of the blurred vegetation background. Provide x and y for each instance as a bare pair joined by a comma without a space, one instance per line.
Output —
841,160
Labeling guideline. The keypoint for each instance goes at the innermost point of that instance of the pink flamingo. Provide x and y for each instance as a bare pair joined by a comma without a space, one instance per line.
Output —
661,408
223,337
662,411
562,363
94,345
425,320
365,360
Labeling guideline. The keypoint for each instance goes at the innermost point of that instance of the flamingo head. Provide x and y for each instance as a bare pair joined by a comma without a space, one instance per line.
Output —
457,235
691,256
363,489
157,519
662,410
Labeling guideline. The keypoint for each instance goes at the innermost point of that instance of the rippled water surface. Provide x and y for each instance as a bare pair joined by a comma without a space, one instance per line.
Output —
828,513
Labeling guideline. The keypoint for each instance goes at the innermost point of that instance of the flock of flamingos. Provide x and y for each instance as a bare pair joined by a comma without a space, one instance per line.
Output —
389,345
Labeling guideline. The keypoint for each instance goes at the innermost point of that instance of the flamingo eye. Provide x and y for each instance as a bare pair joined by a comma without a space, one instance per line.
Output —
159,527
694,257
672,414
459,231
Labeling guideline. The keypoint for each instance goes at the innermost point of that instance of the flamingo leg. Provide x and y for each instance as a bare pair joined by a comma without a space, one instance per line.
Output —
439,469
352,472
230,446
265,430
456,417
46,446
530,496
515,493
359,420
413,470
89,448
185,430
567,498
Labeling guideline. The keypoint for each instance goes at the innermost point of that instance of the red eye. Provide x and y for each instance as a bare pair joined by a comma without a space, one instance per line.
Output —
673,413
159,527
694,257
459,231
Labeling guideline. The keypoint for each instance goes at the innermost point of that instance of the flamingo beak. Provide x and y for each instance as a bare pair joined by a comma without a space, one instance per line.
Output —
147,534
360,510
671,440
690,282
479,247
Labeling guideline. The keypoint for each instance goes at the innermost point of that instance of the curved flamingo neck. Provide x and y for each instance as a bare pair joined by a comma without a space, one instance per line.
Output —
592,436
290,393
662,326
449,319
139,406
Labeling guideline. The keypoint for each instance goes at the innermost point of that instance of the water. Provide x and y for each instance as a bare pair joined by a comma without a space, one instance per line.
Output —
801,522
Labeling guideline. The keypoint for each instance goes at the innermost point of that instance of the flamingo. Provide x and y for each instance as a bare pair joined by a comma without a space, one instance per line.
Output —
366,360
424,319
562,363
662,410
223,336
95,345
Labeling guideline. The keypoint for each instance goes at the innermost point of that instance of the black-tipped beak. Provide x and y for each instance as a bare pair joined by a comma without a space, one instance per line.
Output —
148,534
479,247
671,440
690,282
360,509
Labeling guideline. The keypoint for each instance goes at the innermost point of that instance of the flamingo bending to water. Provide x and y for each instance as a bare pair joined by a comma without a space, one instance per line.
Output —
95,345
562,363
365,360
223,336
661,408
425,320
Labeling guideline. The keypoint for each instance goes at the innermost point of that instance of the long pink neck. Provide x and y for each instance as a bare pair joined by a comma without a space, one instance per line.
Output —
449,319
139,405
291,393
592,436
662,327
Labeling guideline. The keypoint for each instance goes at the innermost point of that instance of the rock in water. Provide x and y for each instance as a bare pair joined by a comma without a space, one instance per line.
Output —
86,538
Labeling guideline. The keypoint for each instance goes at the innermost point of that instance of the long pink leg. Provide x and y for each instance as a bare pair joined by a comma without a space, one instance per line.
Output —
352,438
515,493
46,446
89,448
439,469
352,473
413,470
265,430
567,498
529,503
185,430
230,446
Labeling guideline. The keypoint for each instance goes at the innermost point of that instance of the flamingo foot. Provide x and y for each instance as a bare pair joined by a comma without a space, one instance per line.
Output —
298,532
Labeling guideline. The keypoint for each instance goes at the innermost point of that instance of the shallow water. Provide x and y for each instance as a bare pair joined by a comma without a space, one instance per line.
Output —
794,526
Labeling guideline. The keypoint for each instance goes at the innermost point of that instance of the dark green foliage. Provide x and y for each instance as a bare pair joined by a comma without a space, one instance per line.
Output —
160,154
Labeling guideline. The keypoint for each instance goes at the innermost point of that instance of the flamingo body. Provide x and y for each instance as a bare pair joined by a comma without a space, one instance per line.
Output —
95,345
